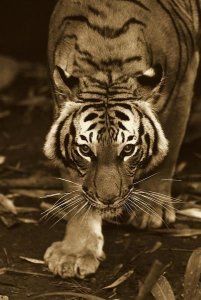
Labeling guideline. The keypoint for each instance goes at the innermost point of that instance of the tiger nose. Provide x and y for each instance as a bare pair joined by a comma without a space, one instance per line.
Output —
109,200
107,196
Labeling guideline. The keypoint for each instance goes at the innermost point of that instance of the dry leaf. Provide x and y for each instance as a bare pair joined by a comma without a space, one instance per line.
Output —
5,114
180,167
9,221
156,246
117,269
10,68
162,290
155,272
6,205
194,212
2,159
33,260
24,209
120,280
77,295
178,232
27,221
4,297
23,272
192,285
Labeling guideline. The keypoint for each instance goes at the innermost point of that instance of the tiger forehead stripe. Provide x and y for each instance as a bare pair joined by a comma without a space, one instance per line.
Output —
105,31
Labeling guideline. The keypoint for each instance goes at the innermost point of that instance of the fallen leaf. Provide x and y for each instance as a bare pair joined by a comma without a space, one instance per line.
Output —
156,246
192,285
10,68
9,221
2,159
33,260
5,114
180,167
117,269
6,205
23,272
4,297
162,290
79,295
190,212
27,221
178,232
155,272
24,209
120,280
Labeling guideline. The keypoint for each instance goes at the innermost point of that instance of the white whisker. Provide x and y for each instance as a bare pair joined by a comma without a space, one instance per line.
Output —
146,178
174,200
55,210
50,195
79,210
63,179
171,179
64,216
86,213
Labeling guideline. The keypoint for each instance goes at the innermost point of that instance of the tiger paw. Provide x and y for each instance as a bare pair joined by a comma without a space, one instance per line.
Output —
66,264
155,218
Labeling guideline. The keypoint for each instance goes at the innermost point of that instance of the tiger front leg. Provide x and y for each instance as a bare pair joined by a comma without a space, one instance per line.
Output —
80,252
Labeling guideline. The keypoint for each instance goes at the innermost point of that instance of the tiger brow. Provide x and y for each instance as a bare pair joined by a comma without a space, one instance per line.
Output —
84,138
130,137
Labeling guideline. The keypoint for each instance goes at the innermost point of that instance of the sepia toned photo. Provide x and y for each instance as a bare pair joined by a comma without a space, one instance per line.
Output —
100,149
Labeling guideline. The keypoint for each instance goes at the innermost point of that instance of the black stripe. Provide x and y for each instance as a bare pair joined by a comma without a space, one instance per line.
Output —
90,62
95,11
180,51
92,126
129,138
123,137
124,99
185,25
90,117
58,153
93,100
83,138
91,136
93,93
124,105
132,58
119,62
138,3
83,52
72,130
121,126
105,31
148,142
66,142
121,115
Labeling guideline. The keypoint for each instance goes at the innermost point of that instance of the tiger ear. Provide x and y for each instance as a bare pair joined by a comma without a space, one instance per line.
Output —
65,86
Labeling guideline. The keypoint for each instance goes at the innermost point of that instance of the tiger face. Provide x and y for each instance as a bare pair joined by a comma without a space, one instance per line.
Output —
110,145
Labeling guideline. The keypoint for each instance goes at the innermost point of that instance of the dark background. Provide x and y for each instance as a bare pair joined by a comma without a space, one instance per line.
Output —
24,28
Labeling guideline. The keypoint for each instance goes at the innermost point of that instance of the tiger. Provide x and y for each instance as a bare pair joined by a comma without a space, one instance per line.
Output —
122,75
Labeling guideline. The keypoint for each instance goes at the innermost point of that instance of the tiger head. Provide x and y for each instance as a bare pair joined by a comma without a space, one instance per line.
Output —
111,144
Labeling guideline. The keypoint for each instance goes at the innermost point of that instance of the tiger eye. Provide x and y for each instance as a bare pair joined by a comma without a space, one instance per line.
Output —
84,149
128,149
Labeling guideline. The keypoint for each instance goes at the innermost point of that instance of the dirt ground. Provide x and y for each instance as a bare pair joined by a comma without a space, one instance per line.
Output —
23,127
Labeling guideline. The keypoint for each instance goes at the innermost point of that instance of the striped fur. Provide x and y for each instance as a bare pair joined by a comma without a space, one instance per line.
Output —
116,67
